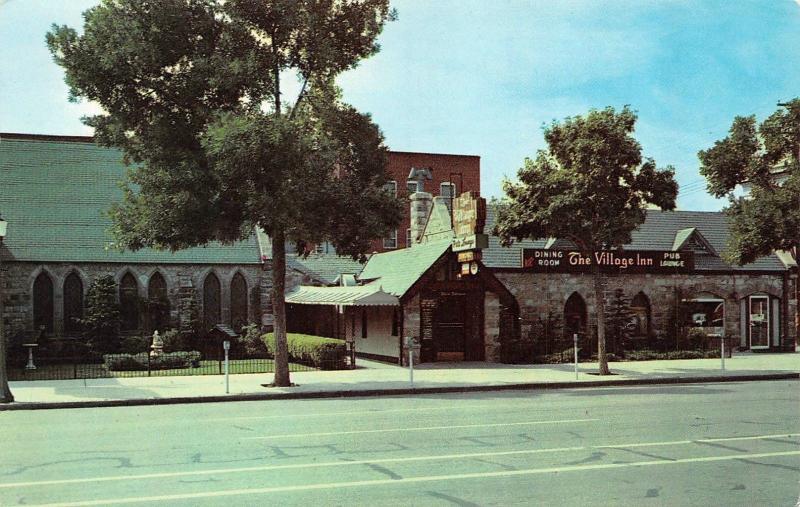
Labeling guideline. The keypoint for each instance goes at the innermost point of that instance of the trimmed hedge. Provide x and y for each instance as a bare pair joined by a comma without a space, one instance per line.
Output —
137,362
318,351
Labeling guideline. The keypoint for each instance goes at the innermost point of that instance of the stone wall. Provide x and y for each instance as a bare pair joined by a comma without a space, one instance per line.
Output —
411,326
491,327
538,294
184,287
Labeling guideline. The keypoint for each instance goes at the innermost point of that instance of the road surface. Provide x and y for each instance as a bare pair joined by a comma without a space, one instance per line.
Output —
703,444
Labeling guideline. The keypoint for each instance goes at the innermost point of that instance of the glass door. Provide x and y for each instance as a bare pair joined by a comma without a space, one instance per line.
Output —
759,322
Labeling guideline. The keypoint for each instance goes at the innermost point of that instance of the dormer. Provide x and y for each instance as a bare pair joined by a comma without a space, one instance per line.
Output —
692,240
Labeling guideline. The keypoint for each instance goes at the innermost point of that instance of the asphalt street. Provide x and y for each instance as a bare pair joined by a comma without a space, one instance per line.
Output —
695,444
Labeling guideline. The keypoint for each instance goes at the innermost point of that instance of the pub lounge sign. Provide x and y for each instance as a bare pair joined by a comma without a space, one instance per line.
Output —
610,261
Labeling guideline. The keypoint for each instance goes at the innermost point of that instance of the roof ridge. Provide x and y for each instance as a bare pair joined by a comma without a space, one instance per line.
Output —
13,136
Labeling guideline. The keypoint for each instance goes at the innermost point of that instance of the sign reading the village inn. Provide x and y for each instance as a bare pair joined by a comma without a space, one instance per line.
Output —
610,261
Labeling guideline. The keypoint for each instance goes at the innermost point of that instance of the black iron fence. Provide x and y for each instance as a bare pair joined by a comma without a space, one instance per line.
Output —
70,359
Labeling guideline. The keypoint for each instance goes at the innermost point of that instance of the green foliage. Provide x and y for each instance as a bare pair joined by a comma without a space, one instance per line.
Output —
619,327
134,344
752,154
590,186
142,361
318,351
102,316
192,94
175,341
253,341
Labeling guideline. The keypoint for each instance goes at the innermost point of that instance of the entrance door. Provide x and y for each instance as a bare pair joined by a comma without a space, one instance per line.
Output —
449,326
759,322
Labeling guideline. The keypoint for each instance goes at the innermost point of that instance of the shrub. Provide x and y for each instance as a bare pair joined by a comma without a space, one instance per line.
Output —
141,361
102,316
253,342
174,340
317,351
134,344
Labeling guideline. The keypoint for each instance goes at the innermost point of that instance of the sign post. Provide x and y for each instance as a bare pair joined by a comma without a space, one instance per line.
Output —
575,348
412,347
227,346
722,349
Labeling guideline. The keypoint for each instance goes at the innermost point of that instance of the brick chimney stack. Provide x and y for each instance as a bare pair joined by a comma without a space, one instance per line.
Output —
421,203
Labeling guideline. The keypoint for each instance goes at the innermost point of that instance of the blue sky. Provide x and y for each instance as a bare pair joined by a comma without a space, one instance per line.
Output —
481,77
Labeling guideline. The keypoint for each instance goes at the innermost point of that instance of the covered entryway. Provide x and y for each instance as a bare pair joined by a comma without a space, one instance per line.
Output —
450,327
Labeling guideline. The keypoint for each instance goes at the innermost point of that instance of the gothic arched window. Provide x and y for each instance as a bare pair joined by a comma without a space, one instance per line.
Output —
129,303
43,302
158,302
73,303
238,301
575,314
212,302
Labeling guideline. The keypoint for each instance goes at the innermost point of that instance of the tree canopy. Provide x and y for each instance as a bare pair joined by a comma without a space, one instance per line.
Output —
590,186
766,158
192,94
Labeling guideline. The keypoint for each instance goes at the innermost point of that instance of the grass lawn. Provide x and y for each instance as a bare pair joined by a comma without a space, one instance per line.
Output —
69,371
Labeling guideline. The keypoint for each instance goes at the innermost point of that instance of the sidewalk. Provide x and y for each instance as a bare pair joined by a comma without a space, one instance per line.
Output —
373,378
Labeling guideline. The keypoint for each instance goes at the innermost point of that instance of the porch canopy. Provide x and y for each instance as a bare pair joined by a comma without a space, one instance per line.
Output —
361,295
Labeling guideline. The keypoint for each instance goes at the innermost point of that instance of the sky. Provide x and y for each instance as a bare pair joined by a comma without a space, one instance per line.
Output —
482,77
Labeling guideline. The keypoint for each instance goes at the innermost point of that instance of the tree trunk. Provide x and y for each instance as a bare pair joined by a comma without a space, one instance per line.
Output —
279,308
600,309
5,391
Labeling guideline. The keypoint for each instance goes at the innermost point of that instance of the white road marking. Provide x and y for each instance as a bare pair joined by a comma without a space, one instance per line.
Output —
420,428
361,412
410,480
437,457
697,440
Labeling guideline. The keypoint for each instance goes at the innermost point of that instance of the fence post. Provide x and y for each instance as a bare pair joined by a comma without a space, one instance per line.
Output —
148,364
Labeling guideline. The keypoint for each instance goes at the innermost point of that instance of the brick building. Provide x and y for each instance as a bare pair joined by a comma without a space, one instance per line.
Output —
450,175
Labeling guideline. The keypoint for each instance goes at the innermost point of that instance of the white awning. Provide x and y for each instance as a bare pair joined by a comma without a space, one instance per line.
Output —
362,295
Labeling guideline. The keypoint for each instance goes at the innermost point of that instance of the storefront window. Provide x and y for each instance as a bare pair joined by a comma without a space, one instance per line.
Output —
705,313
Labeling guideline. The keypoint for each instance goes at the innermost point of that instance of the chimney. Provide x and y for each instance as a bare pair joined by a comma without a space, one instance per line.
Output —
421,203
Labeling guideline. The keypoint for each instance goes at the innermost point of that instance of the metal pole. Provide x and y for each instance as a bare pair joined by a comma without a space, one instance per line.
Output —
411,365
227,371
575,348
722,355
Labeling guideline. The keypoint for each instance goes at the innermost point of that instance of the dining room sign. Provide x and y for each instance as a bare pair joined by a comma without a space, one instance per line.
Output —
541,260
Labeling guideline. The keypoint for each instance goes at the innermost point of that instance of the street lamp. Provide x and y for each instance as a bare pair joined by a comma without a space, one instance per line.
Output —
5,392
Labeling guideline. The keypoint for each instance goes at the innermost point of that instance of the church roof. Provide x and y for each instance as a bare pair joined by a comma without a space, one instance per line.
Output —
55,192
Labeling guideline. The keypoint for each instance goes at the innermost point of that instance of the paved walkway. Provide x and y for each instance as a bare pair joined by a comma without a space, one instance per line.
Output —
376,378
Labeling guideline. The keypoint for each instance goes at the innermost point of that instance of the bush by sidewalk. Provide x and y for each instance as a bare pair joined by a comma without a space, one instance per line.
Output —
317,351
141,361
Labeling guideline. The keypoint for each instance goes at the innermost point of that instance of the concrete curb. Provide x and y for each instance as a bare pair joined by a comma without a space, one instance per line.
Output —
395,392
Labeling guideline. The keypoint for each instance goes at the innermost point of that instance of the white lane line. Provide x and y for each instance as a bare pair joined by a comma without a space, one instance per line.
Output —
409,480
420,428
437,457
698,440
262,468
356,413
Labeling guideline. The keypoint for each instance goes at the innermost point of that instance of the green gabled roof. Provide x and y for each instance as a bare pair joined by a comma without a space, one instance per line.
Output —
55,192
397,271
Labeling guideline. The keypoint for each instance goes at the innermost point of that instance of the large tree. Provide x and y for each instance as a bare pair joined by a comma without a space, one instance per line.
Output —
590,186
766,158
192,93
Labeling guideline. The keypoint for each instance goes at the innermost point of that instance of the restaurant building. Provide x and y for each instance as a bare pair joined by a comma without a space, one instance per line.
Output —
671,274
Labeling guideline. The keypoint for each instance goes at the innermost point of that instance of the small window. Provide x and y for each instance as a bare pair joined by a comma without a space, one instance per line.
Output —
391,241
409,239
390,187
412,186
447,189
321,248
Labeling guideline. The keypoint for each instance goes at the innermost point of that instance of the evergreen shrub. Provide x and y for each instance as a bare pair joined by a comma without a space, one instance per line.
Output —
317,351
